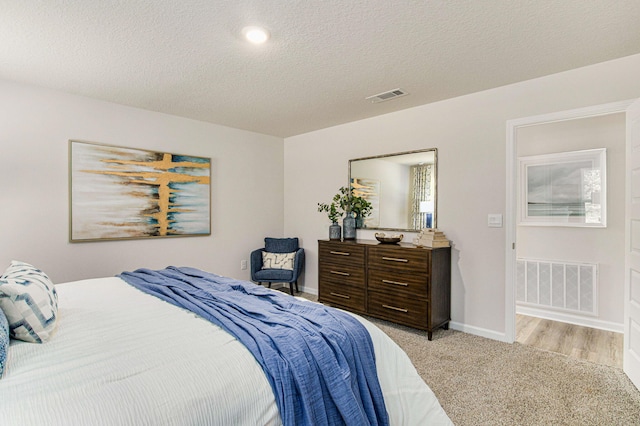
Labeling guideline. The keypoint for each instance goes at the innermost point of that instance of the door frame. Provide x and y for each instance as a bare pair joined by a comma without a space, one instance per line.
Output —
512,193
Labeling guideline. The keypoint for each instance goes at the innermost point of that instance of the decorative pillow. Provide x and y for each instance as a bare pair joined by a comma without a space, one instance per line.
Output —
30,302
4,341
277,260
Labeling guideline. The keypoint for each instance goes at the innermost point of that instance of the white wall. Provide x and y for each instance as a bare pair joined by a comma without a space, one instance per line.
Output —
394,190
469,133
604,246
249,176
35,126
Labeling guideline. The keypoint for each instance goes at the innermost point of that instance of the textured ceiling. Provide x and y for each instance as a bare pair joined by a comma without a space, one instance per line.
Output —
186,57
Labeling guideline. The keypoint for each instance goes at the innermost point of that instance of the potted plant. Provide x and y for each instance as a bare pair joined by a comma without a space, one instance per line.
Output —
355,209
353,205
361,208
334,213
343,199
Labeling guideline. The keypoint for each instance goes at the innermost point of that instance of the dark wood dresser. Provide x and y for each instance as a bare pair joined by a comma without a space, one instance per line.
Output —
401,283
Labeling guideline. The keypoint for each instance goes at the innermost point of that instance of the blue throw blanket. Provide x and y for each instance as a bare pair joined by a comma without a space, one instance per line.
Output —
319,361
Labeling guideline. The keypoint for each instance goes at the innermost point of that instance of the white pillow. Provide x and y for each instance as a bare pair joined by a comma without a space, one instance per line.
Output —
30,302
277,260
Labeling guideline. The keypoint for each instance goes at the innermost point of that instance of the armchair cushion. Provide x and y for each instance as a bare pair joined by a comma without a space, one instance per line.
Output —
274,275
280,245
277,260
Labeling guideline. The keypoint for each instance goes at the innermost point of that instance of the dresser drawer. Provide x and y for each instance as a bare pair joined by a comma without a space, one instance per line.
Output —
411,284
398,308
400,283
341,253
342,274
414,260
352,298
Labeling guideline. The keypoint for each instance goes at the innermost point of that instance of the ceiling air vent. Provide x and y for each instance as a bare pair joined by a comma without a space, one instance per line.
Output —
385,96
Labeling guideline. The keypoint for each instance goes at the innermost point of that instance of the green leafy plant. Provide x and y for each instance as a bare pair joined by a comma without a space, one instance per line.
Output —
332,211
343,198
360,206
345,202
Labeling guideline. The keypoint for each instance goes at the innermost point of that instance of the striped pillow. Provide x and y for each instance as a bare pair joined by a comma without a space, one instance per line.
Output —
277,260
4,341
30,302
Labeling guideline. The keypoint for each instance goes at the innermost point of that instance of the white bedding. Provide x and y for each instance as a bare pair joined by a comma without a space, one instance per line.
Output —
121,357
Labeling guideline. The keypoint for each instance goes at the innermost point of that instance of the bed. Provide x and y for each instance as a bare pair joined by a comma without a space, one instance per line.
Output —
119,356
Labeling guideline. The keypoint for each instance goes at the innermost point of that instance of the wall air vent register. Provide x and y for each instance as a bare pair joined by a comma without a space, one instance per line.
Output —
385,96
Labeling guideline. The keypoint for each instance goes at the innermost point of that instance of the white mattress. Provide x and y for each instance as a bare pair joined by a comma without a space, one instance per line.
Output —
121,357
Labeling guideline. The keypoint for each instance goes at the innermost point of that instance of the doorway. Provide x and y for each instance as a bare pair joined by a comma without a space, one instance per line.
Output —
575,341
538,242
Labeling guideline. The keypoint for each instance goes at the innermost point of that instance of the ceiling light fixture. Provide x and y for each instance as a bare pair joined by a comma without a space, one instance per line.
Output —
256,35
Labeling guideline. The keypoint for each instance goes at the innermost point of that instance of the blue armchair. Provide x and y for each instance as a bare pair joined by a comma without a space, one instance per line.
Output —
274,274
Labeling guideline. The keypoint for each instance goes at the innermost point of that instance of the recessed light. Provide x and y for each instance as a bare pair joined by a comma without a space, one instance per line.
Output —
256,35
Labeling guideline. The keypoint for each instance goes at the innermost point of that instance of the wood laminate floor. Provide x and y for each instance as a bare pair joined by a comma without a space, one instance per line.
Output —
599,346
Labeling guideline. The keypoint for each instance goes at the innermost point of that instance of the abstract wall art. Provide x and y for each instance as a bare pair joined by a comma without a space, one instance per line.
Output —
124,193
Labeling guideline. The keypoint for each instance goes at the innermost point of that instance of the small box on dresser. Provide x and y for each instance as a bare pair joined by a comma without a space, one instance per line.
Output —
401,283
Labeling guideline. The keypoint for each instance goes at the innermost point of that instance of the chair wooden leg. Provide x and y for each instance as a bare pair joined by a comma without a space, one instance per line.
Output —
297,291
269,285
291,288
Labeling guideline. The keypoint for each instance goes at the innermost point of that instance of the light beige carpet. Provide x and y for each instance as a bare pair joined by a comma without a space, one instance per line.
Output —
483,382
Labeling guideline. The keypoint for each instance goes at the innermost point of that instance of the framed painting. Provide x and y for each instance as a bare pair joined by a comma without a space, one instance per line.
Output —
120,193
564,189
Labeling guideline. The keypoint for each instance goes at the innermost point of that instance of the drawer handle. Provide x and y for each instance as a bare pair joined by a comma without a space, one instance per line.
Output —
395,283
394,308
395,259
346,274
344,296
341,253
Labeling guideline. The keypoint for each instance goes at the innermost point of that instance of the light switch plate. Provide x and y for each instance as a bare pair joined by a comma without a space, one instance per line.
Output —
495,220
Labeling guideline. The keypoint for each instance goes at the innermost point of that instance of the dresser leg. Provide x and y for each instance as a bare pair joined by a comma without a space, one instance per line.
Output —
429,335
446,326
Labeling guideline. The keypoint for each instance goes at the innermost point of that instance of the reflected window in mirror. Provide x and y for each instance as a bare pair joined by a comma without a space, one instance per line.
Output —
401,187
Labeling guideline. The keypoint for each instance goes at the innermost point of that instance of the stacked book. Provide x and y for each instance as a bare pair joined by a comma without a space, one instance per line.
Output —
431,237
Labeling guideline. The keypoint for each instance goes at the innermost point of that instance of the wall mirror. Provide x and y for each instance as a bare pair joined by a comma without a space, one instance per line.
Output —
401,187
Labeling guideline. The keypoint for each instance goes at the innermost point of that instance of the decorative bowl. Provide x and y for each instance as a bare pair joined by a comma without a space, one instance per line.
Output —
388,239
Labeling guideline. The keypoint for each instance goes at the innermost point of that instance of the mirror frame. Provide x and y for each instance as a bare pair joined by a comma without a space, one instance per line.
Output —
435,175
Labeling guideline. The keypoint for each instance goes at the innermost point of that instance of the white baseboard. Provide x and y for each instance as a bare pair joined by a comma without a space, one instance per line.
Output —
571,319
313,291
479,331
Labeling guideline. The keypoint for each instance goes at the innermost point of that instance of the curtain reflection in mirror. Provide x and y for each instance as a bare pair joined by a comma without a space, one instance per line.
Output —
421,185
402,181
